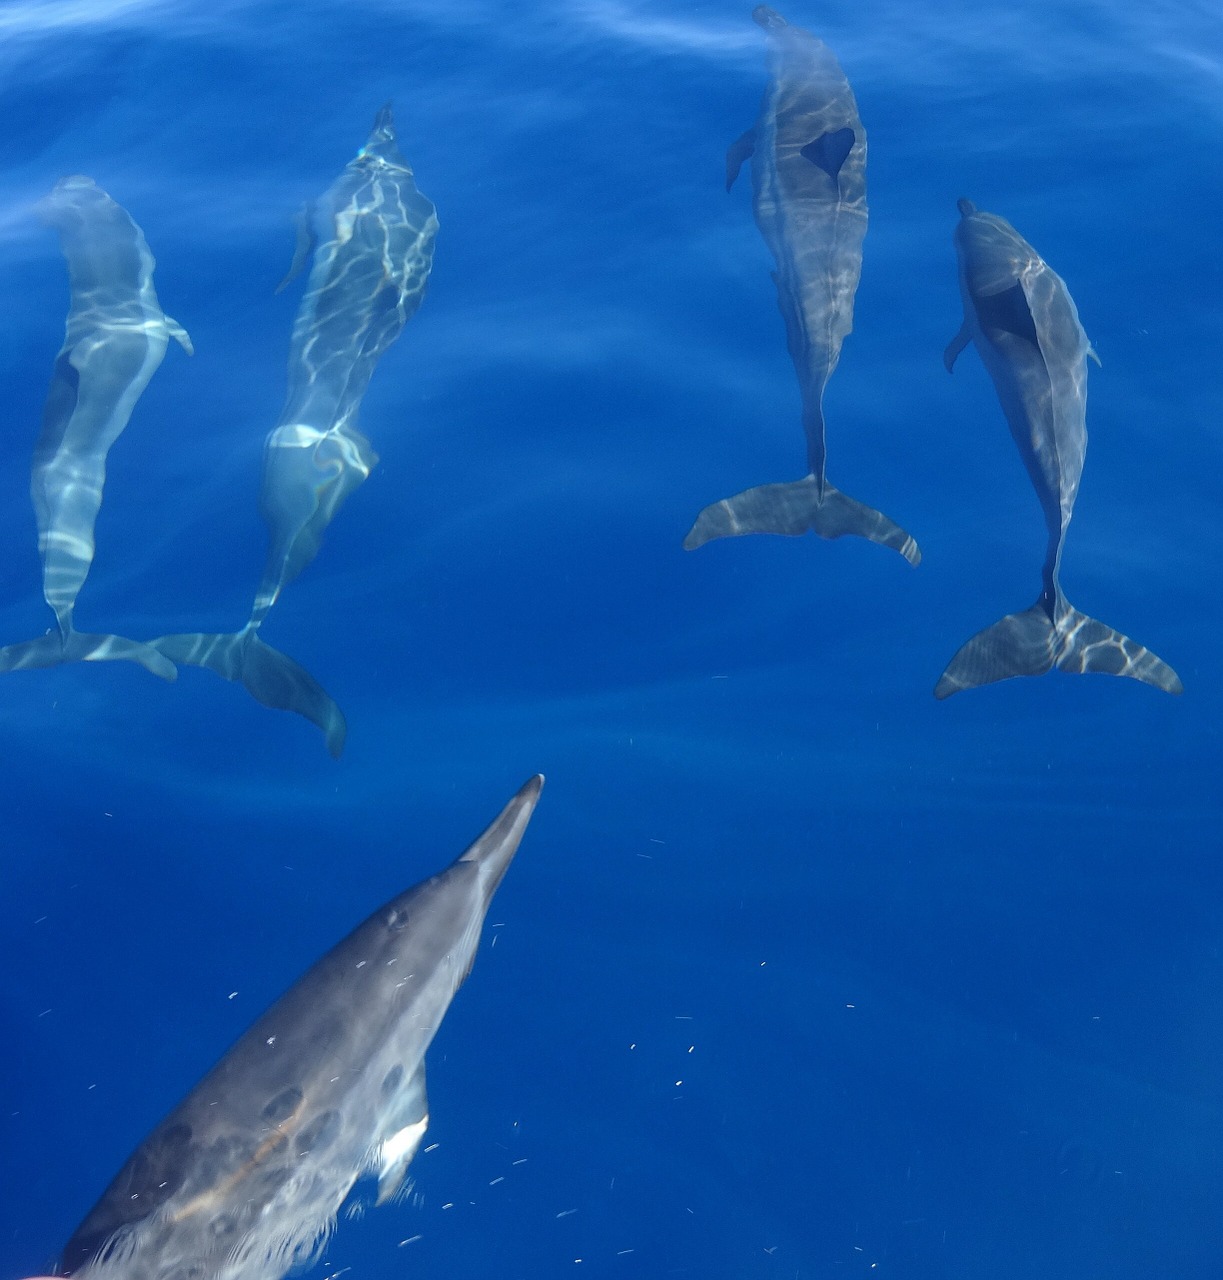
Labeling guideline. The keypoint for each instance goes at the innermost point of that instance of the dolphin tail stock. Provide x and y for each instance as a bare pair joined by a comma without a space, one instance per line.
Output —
794,508
54,648
269,676
1031,643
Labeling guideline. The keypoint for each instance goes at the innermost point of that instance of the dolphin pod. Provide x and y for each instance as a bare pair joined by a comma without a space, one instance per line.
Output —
243,1179
115,337
808,154
1021,318
373,239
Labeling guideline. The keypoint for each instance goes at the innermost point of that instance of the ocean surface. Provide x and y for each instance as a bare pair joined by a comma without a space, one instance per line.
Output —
799,973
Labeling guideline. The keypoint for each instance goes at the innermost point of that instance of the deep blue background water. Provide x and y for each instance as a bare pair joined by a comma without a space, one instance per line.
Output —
941,981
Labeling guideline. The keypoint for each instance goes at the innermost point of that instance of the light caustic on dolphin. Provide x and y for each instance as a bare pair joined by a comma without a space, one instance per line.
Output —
808,154
1021,318
372,236
243,1179
115,337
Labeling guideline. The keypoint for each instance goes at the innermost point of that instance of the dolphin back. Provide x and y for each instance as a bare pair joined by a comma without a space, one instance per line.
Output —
1031,643
244,1178
798,507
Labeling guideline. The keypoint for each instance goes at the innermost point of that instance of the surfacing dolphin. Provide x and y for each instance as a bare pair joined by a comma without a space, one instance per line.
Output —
243,1179
1021,318
373,239
808,153
115,337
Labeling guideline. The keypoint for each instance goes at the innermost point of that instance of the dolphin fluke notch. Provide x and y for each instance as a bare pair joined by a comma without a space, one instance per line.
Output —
795,508
269,676
1031,643
52,649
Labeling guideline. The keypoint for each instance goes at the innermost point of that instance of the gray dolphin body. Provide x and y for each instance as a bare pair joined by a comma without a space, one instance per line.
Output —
115,337
1021,318
373,250
808,153
243,1179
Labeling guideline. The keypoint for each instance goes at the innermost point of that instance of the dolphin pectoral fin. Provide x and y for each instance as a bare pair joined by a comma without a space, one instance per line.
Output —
955,346
1093,354
306,239
796,508
179,334
1090,645
1029,644
51,650
269,676
408,1121
1021,644
738,153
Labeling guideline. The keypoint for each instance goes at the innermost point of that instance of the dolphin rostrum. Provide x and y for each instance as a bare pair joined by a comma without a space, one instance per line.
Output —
808,153
1021,318
115,337
243,1179
373,248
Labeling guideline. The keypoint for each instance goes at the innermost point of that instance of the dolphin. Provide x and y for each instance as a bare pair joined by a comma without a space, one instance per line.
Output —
1021,318
243,1179
808,154
372,237
115,337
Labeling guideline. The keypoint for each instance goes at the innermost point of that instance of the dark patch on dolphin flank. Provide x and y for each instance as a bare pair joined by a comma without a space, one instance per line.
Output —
157,1171
61,401
283,1106
1008,312
830,151
319,1134
391,1081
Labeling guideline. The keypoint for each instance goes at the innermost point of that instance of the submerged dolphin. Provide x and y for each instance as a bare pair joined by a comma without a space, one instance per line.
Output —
243,1179
1023,322
373,249
115,337
808,152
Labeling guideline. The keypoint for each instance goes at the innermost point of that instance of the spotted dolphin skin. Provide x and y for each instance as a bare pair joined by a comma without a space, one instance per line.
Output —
808,154
372,236
243,1179
1021,318
114,340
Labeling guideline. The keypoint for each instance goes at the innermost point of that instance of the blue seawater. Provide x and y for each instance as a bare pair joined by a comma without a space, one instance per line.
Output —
798,973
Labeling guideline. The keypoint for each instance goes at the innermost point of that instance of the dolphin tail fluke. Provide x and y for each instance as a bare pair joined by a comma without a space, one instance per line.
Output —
1031,643
269,676
52,649
795,508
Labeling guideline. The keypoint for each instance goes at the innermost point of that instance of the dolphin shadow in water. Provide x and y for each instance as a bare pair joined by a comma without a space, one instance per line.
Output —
1021,318
808,154
243,1179
372,238
115,338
